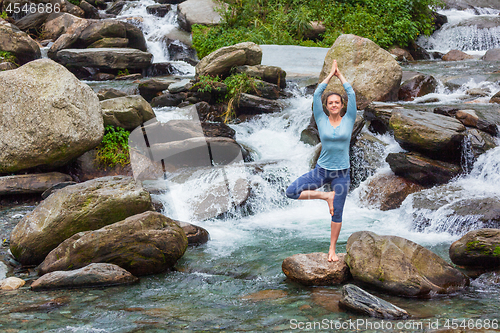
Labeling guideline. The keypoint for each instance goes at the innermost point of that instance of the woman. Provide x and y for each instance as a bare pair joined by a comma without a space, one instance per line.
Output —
333,164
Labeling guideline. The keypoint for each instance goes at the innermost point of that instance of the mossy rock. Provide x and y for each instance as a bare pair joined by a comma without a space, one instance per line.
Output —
477,248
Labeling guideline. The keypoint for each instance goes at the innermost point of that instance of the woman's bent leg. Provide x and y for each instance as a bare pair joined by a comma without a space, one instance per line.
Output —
308,182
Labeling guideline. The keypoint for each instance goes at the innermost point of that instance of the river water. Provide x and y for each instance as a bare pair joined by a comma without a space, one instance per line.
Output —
234,283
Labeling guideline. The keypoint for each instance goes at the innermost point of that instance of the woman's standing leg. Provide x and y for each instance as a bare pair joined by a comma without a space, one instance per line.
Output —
340,185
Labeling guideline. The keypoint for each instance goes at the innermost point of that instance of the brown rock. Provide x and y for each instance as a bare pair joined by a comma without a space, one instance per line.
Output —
418,86
477,248
31,183
456,55
11,283
315,269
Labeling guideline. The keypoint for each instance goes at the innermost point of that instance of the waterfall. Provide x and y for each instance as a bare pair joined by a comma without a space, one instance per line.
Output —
471,30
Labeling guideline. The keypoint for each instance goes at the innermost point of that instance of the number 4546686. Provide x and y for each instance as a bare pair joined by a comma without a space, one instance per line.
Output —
471,324
31,8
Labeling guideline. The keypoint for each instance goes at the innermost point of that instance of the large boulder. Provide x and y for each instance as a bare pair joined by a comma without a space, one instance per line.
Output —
18,43
372,71
315,269
387,191
81,207
143,244
222,60
477,248
422,170
31,183
431,134
93,275
127,112
417,86
492,55
198,12
105,58
400,266
49,117
60,24
359,301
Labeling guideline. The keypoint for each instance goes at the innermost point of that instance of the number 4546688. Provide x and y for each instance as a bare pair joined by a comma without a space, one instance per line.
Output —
31,8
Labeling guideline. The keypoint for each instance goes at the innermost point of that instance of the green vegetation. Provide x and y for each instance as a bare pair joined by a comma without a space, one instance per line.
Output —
236,84
7,56
285,22
75,2
113,148
124,72
4,15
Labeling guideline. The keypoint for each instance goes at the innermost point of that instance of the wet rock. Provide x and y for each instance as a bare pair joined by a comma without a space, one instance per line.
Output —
470,118
456,55
270,294
11,283
90,11
195,235
30,183
53,304
158,10
478,92
477,248
446,208
222,60
265,90
378,117
315,269
127,112
105,58
143,244
116,8
418,86
93,275
387,192
366,156
198,12
161,69
17,42
109,42
439,20
57,25
56,187
179,50
149,89
480,141
372,71
85,206
359,301
492,55
271,74
495,98
168,99
207,112
249,105
30,92
422,170
418,52
400,266
434,135
401,54
110,93
180,86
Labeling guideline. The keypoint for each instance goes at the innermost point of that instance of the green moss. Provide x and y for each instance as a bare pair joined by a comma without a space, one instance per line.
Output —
496,251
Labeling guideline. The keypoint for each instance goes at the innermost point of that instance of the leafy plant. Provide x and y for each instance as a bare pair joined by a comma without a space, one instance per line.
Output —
75,2
237,84
124,72
113,148
7,56
206,82
4,15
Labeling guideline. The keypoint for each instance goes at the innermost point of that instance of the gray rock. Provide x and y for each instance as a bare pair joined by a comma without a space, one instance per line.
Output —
400,266
60,24
149,89
358,300
492,55
56,187
143,244
250,105
90,11
431,134
180,86
31,183
110,93
477,248
314,269
46,121
158,10
85,206
422,170
372,71
271,74
198,12
116,8
18,43
222,60
168,99
93,275
105,58
109,42
127,112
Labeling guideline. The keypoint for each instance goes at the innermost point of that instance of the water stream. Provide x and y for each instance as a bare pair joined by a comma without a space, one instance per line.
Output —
234,282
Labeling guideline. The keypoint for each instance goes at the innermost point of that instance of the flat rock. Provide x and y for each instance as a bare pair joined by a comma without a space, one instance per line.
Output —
359,301
315,269
31,183
105,58
93,275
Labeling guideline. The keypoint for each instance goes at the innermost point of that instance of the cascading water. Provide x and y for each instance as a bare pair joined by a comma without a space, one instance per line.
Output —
469,30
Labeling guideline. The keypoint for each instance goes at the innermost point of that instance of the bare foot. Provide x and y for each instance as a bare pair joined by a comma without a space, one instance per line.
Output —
329,199
332,256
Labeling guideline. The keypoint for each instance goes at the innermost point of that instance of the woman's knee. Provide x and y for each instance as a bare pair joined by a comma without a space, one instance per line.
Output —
292,192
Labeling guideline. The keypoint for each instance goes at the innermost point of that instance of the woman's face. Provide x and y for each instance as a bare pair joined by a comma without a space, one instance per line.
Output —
334,104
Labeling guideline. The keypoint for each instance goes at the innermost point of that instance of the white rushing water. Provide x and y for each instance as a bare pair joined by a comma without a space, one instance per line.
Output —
464,32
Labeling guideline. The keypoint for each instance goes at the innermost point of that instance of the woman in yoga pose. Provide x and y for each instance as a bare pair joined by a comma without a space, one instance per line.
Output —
333,164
